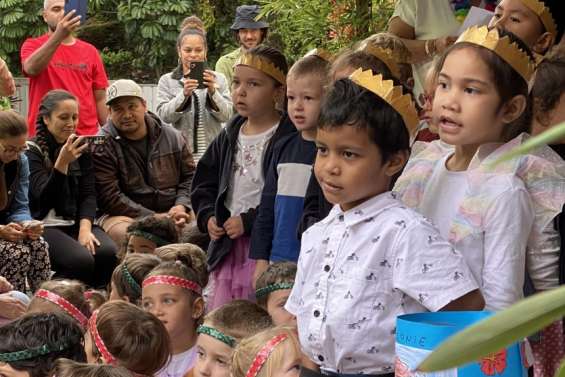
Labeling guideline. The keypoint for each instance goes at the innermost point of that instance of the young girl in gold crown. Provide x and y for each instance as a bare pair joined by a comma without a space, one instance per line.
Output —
498,215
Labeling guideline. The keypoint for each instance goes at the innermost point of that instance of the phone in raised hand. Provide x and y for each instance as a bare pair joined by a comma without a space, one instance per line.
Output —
79,6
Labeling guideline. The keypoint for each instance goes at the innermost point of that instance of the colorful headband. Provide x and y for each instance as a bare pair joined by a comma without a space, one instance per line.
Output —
149,236
263,355
63,304
262,65
271,288
544,13
386,56
385,89
31,353
88,294
106,355
173,280
503,47
229,340
130,280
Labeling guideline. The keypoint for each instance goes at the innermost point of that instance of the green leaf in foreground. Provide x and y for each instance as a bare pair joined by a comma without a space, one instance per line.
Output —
498,331
553,134
561,371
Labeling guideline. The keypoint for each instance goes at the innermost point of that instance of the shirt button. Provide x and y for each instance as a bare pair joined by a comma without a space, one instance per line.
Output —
320,357
316,313
327,268
341,217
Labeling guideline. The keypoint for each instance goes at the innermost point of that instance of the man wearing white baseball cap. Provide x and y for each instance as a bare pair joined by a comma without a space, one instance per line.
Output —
143,168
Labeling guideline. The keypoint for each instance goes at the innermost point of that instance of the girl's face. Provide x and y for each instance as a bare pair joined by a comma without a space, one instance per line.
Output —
141,245
63,120
11,147
213,357
514,16
192,49
7,371
466,102
275,307
290,363
175,307
253,92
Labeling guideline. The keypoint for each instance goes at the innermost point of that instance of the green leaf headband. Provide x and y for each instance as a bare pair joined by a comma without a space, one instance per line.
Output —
271,288
31,353
130,280
229,340
149,236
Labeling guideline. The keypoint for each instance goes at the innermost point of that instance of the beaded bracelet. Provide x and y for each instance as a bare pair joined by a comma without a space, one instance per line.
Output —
229,340
271,288
31,353
130,280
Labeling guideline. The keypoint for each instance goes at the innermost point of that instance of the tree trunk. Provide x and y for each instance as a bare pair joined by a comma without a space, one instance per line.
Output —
363,11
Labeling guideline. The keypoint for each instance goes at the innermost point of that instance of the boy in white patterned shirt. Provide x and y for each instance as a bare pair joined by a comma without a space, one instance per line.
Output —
372,258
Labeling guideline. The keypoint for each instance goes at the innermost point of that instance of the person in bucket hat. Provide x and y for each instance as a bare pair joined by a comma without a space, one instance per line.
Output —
248,32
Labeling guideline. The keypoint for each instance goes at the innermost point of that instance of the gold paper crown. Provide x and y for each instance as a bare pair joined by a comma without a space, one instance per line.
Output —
386,56
262,65
544,13
321,53
503,47
393,95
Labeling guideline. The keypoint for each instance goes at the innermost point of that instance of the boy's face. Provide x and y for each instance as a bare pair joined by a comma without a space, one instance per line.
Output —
140,245
275,308
213,357
349,166
304,96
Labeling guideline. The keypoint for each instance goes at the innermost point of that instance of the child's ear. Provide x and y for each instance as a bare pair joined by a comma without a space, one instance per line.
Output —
514,108
396,162
198,308
544,42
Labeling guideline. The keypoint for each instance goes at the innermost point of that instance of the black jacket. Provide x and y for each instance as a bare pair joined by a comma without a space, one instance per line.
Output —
72,195
212,179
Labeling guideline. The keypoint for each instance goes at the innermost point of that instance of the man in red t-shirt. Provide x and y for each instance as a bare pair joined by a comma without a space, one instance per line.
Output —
58,60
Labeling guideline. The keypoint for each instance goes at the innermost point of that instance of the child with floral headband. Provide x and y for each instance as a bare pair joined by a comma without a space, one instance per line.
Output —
272,290
222,330
148,233
270,353
31,344
372,258
229,178
172,292
63,296
129,275
121,334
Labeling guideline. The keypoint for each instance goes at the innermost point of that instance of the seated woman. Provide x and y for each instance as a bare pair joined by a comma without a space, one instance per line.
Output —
23,253
62,192
197,112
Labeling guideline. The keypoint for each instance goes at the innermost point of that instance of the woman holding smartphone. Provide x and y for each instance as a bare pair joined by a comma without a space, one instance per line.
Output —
23,253
62,193
194,100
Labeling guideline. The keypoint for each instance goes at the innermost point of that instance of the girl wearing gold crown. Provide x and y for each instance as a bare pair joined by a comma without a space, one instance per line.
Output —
538,23
229,178
498,215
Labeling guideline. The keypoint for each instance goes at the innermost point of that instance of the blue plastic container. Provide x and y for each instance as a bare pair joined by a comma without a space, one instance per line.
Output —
418,334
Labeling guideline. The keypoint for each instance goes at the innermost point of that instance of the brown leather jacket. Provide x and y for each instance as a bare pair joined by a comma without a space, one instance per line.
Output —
129,185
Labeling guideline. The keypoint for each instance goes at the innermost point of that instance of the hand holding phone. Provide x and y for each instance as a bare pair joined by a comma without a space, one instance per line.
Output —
79,6
197,73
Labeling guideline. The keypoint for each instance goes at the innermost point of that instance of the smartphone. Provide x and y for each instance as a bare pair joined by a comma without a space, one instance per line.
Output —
95,139
197,73
31,224
80,7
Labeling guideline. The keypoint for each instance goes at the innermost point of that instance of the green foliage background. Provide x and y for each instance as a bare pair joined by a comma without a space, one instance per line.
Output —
137,37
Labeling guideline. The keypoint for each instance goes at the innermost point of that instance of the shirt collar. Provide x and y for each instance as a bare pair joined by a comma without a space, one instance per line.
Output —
364,212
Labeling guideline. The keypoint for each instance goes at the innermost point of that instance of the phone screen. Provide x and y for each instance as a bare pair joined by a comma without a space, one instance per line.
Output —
80,7
197,73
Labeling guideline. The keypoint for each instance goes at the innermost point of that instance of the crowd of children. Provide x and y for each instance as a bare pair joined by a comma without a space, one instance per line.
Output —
329,205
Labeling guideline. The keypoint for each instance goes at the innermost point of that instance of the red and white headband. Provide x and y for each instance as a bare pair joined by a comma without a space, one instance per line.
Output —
263,355
106,355
63,304
173,280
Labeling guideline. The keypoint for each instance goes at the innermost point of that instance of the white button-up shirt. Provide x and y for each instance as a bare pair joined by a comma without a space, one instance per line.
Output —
358,270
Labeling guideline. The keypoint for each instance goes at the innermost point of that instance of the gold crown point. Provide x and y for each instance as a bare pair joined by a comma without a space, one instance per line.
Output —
385,55
390,93
262,65
509,51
